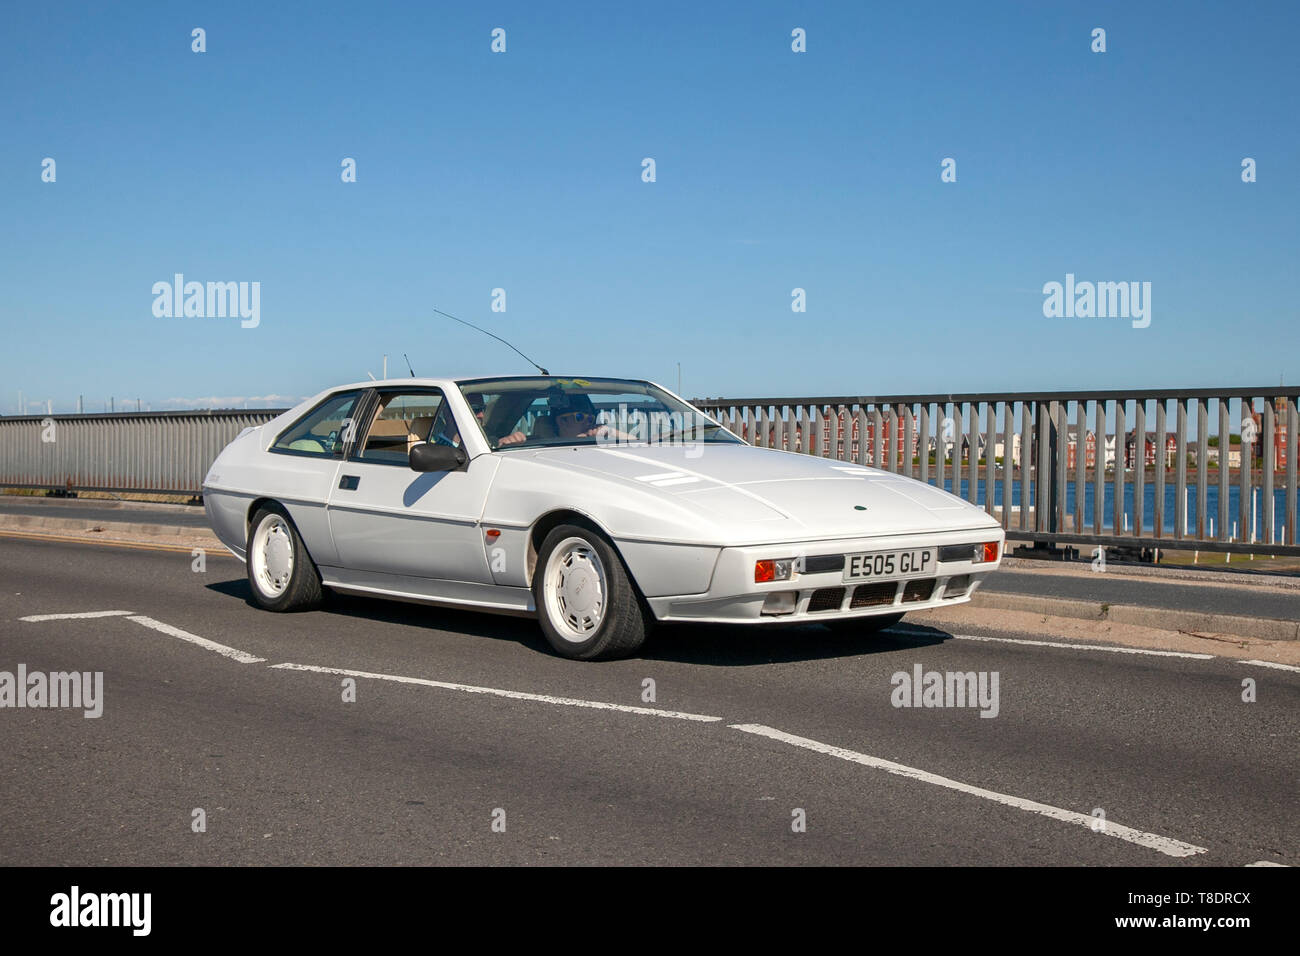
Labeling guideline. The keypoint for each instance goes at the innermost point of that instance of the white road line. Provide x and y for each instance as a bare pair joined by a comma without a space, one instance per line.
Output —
1087,647
77,616
1281,667
1165,845
497,692
222,649
1269,863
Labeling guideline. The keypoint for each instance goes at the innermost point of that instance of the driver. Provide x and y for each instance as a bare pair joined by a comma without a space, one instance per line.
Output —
570,415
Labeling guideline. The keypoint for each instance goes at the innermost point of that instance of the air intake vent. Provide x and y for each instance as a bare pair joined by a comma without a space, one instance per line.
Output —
871,595
918,590
826,599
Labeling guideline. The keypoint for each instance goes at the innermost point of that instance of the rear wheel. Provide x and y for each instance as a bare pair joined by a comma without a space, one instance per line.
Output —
281,573
586,604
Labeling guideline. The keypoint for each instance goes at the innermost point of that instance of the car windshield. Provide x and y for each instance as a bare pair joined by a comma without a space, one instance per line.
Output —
548,410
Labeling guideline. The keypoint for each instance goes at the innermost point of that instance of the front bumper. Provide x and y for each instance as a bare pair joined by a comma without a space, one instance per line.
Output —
734,598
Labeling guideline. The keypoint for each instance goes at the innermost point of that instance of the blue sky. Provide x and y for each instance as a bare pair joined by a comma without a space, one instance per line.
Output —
522,171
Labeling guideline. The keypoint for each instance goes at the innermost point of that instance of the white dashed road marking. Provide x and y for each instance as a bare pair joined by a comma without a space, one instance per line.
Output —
497,692
79,615
1281,667
1166,845
235,655
1086,647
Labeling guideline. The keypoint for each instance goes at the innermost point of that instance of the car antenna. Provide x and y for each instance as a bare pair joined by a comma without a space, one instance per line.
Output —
408,365
497,337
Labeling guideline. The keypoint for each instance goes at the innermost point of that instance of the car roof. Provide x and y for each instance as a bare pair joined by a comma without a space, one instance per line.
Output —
475,380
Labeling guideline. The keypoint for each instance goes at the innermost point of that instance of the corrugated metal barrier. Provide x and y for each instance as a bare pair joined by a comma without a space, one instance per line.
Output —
158,452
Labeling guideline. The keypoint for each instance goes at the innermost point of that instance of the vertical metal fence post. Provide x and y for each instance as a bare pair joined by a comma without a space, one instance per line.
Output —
1270,463
877,446
990,454
1247,464
1292,423
1139,465
1099,466
1060,477
1180,481
1224,531
1121,464
1008,459
908,433
923,442
1202,475
1162,463
1042,469
1026,456
1080,461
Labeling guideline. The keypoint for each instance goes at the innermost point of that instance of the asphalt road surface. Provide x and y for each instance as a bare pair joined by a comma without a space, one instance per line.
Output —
469,743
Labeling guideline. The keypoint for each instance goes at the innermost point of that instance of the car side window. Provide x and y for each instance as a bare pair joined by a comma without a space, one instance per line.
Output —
404,419
324,430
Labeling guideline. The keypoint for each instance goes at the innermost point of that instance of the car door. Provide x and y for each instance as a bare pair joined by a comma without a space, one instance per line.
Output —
388,519
309,453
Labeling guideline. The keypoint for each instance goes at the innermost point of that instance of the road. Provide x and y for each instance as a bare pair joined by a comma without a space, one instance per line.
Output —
286,771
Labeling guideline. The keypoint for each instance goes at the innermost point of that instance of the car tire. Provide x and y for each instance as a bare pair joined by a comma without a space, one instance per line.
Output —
281,574
865,625
587,606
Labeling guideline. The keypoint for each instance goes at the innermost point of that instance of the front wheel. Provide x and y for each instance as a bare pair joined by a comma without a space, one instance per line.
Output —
281,573
586,604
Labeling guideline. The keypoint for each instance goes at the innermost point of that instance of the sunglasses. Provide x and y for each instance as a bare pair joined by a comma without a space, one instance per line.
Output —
578,418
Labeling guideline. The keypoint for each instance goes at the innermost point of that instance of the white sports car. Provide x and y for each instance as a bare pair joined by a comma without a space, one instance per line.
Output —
598,505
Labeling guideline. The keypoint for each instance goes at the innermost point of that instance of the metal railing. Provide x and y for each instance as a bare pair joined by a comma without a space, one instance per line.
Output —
154,452
1109,468
1106,468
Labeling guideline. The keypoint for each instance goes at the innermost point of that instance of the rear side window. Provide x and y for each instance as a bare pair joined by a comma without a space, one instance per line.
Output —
324,430
403,420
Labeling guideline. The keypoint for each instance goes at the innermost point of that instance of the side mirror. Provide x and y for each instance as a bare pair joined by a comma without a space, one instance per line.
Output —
427,456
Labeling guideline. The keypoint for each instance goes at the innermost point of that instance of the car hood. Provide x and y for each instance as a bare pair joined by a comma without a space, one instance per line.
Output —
764,494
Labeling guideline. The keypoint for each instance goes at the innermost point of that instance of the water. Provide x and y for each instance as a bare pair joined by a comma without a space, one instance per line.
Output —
1149,505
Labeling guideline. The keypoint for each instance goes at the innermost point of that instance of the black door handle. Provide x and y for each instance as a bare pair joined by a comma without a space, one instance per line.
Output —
349,482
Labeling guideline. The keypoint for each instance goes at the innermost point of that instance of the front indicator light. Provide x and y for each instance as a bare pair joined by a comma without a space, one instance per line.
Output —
773,569
990,551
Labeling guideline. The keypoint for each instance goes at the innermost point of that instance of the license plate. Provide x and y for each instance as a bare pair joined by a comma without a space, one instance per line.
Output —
889,565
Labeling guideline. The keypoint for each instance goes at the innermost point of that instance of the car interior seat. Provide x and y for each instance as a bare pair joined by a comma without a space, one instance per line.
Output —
544,426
